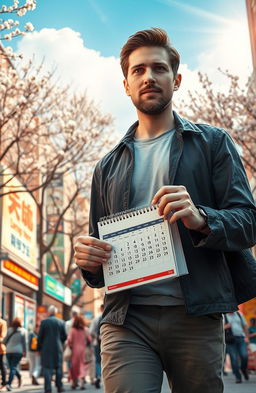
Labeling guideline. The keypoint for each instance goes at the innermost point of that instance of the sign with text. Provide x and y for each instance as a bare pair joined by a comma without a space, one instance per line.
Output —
20,274
19,223
57,290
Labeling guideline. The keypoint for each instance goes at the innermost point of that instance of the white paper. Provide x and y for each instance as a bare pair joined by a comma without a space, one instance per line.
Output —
144,250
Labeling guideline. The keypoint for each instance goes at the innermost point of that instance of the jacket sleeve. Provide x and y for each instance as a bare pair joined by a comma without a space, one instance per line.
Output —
63,333
233,223
96,212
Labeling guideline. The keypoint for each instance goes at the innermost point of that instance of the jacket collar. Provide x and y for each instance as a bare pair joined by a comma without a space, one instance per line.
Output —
182,125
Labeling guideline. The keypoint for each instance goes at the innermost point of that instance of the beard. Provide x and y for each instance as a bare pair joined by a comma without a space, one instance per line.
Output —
152,108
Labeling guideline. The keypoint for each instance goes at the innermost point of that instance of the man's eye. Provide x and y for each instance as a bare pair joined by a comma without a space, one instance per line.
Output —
160,68
137,70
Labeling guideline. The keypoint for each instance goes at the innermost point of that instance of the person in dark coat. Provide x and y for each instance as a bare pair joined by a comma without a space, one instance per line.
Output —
51,337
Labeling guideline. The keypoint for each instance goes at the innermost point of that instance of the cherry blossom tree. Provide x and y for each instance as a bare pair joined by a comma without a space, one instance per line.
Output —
48,134
233,110
10,28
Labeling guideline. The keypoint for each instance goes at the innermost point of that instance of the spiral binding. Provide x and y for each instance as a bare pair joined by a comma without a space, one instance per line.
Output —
125,214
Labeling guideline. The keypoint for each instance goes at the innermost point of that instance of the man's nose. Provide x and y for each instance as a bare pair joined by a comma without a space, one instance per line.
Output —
149,76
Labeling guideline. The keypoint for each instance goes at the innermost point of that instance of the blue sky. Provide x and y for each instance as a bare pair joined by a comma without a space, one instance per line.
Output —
105,24
83,39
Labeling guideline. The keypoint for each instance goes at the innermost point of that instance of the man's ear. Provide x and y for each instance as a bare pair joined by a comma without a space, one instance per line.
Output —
126,87
177,81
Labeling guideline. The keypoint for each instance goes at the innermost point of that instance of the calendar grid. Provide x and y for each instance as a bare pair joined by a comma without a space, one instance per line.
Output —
142,249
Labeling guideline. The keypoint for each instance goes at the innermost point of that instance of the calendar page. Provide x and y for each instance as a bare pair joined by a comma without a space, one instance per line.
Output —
143,249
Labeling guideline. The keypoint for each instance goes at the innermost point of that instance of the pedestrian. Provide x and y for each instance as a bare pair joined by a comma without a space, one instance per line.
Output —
68,325
77,340
194,175
3,331
15,342
89,357
237,346
51,337
34,356
69,322
95,333
252,331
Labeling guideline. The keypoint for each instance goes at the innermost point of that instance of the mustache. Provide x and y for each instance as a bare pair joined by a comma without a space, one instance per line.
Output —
150,87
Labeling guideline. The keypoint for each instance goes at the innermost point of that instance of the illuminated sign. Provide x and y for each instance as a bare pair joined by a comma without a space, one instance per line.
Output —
57,290
19,223
19,273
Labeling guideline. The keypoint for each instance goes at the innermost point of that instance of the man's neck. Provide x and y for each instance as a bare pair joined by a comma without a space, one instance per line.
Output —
151,126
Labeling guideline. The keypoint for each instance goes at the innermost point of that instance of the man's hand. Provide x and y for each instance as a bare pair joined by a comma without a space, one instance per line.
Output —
91,253
176,200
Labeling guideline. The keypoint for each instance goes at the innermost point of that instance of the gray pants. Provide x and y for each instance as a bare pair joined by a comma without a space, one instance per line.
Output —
155,339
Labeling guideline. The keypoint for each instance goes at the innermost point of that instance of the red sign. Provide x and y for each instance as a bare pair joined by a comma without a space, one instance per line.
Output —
20,272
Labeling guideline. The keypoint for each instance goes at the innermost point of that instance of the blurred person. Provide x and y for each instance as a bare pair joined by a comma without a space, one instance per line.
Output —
252,331
89,356
193,173
51,337
69,323
3,331
95,333
34,355
77,341
15,342
237,347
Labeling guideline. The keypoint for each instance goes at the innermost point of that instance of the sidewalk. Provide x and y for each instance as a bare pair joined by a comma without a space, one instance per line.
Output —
28,388
229,382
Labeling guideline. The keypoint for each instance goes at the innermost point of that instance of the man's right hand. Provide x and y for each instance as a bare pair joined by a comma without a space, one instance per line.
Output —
91,253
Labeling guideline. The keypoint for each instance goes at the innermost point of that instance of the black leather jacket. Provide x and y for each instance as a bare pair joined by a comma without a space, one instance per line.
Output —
203,158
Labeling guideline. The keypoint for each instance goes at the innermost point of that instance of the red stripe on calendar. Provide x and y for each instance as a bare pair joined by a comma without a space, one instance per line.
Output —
141,279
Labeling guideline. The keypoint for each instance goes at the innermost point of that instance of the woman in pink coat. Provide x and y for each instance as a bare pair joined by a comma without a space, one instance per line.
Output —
77,340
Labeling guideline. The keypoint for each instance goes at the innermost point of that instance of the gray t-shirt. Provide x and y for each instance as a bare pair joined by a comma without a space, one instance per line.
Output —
151,171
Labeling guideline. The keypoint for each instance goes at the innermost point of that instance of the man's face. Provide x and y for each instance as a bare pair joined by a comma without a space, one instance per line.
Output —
150,82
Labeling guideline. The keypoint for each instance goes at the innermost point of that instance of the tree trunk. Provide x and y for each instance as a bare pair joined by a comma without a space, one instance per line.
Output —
66,312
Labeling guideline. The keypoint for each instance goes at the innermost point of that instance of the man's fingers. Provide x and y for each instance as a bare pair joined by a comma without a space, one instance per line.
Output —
90,267
91,253
90,250
166,190
92,241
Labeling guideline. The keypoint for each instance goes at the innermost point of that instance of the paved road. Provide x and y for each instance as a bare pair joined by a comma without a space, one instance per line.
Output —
230,386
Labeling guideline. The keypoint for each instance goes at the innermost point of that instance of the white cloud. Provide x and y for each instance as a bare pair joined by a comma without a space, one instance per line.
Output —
231,51
86,69
83,68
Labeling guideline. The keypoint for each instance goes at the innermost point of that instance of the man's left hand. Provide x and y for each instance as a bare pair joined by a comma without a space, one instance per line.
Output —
175,200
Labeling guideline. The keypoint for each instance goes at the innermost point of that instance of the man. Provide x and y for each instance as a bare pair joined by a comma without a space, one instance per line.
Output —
51,337
194,172
95,333
237,349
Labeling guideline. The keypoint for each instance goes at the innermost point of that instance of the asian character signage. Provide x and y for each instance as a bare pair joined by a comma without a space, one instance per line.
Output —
19,223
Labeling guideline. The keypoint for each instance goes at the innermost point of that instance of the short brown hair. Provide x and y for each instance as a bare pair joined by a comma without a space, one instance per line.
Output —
16,323
152,37
79,322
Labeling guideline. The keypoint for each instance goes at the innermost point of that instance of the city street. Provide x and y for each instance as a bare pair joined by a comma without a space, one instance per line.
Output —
230,386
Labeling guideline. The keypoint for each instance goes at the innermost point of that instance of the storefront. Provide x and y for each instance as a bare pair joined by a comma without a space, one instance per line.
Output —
18,294
19,277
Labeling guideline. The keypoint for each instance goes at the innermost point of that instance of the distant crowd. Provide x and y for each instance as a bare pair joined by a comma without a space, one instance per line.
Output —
74,346
51,348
